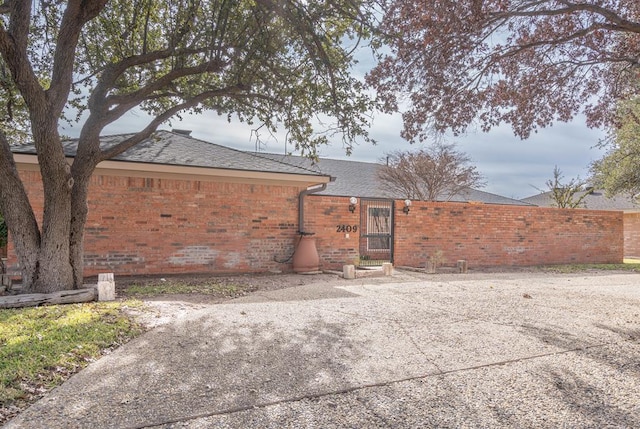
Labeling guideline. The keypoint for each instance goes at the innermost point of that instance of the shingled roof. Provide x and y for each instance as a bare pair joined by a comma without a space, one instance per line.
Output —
359,179
595,200
352,178
174,148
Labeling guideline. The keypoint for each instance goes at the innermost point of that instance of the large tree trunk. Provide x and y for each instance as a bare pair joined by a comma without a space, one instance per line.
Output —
79,212
50,257
44,254
53,269
18,214
45,258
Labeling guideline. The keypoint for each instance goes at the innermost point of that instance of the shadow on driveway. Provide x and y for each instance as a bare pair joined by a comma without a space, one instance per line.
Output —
452,352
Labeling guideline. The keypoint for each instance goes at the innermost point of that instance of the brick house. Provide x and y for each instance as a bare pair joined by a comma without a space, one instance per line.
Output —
176,204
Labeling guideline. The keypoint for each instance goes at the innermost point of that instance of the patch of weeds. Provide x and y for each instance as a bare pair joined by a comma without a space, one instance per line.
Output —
40,347
577,268
168,287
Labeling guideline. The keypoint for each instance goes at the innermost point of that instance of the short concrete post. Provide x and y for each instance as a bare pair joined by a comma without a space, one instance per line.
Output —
349,272
106,287
5,281
462,266
387,269
431,267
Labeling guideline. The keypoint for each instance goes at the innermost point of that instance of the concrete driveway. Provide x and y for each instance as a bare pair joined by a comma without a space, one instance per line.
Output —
477,351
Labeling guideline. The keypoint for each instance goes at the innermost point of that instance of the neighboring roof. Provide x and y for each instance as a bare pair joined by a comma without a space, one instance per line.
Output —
359,179
178,149
596,200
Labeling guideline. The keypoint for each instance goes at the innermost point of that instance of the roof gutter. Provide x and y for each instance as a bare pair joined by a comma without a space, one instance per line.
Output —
311,190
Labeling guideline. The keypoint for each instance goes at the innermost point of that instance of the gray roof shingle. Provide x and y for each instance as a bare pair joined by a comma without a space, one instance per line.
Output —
359,179
170,148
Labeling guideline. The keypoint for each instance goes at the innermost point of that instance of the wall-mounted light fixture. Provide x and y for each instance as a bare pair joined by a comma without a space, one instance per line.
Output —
407,204
352,204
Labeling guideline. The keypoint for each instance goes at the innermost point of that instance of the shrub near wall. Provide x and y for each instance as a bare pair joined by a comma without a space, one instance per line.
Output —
483,234
153,226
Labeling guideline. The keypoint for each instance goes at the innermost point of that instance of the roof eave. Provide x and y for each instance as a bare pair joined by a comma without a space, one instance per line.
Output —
144,169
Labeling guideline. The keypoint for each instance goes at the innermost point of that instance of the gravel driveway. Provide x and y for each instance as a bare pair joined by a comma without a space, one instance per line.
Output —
514,350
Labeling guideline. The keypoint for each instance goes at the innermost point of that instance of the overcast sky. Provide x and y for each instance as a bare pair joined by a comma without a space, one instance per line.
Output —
512,167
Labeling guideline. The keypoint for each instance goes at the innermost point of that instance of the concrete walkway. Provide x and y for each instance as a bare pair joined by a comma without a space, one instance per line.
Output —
460,351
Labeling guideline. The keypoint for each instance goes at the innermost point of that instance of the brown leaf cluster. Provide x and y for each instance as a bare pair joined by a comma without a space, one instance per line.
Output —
526,63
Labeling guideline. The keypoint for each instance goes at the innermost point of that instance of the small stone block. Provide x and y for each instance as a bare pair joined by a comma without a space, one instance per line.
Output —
462,266
5,281
106,287
349,272
387,269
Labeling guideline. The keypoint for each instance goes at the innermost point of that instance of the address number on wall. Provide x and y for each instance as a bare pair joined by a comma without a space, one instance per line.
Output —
347,228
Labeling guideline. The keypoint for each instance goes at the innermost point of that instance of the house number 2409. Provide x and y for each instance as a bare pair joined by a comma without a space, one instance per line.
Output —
347,228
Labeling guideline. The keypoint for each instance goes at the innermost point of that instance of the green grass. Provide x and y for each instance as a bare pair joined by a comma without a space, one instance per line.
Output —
576,268
40,347
170,287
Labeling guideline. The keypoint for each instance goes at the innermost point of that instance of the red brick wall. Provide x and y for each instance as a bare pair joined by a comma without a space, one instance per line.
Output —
141,226
487,235
632,234
322,216
484,235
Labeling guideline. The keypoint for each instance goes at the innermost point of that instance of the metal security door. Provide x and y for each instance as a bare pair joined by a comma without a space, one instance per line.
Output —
376,231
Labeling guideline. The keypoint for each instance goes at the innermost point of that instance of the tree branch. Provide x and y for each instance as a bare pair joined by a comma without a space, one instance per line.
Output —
159,119
528,9
13,47
77,13
212,66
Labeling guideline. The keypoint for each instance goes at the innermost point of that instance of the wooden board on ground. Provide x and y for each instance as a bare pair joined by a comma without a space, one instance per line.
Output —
62,297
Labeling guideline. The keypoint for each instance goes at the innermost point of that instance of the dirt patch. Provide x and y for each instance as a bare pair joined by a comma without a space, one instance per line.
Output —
228,287
163,308
172,304
234,286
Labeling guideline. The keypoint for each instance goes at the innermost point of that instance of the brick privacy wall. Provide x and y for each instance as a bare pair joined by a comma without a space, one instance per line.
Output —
145,226
492,235
632,234
484,235
150,225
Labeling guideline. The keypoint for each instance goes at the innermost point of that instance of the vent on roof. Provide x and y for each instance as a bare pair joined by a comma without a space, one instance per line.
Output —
183,132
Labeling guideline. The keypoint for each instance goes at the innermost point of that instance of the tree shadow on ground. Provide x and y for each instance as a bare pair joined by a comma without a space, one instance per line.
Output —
196,369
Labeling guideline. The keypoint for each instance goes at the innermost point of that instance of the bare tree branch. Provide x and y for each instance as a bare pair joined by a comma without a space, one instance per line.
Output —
437,173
